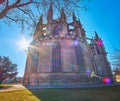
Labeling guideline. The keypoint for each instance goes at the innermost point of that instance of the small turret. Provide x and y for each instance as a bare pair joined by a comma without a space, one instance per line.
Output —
100,45
50,14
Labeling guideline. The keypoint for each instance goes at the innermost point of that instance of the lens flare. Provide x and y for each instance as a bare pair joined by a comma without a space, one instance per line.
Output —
88,71
99,42
76,42
106,80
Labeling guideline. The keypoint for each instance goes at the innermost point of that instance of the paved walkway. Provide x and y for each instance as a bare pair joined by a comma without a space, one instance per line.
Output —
13,87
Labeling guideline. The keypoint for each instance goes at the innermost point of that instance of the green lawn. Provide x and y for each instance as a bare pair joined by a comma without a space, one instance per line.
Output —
16,94
71,94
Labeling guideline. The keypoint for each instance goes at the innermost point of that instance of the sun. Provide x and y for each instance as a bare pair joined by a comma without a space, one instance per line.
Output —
24,43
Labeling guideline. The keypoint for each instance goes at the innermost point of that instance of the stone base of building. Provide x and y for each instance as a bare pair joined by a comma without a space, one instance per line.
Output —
90,85
59,80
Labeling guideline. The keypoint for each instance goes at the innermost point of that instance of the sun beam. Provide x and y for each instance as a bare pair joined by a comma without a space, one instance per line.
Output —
23,43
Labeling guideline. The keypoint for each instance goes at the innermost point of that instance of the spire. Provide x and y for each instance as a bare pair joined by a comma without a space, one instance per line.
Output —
83,32
39,28
98,40
74,17
39,24
74,21
41,19
96,35
63,16
79,23
50,13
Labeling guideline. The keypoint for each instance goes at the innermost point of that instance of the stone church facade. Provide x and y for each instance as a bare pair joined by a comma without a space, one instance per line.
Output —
60,54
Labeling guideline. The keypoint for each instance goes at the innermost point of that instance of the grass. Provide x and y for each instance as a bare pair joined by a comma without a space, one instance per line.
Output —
21,95
82,94
16,95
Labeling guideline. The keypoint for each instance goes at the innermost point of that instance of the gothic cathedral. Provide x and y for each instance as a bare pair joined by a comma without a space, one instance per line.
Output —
61,54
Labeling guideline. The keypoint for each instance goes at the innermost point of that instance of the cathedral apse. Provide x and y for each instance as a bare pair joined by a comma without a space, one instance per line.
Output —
61,56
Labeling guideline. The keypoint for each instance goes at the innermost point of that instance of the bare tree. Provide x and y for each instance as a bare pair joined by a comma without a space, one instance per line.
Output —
116,58
17,11
116,61
26,12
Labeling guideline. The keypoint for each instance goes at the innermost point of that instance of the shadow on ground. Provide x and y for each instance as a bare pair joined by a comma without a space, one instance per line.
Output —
110,93
5,87
20,93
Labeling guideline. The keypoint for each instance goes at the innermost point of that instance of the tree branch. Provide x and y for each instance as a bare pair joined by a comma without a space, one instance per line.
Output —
14,5
29,14
19,20
7,2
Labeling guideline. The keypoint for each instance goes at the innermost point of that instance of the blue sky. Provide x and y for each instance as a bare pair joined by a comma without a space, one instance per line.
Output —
102,16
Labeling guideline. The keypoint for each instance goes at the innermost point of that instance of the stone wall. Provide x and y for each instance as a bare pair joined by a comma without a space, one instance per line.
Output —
58,79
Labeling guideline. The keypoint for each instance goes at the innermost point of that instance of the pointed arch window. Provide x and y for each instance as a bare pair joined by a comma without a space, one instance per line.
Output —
56,58
79,56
